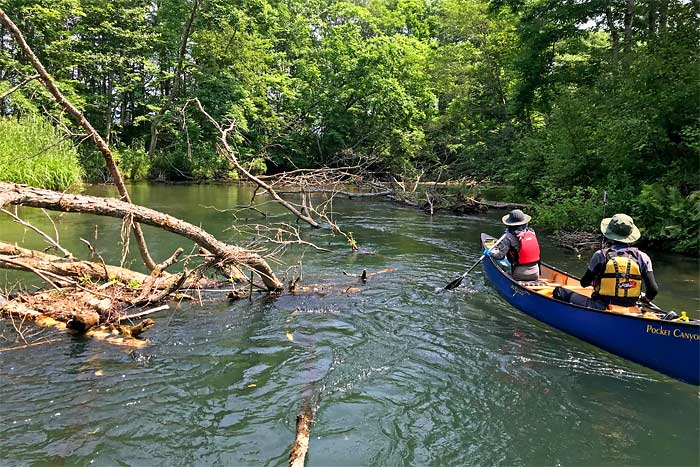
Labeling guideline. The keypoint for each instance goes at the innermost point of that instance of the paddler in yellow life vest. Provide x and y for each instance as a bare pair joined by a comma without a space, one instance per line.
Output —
616,271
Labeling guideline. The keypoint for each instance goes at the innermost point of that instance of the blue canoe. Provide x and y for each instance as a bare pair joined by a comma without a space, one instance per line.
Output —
669,347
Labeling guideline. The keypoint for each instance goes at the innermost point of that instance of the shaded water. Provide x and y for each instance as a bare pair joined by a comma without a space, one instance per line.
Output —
401,376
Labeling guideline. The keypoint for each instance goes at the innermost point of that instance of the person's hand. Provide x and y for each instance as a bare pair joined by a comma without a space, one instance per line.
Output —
643,298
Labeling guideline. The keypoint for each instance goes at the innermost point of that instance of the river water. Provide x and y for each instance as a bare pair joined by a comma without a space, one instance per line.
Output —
399,375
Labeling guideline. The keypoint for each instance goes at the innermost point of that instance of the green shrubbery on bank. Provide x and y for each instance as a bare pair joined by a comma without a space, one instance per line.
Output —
34,153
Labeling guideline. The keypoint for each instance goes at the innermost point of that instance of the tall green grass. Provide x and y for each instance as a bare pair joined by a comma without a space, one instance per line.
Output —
34,153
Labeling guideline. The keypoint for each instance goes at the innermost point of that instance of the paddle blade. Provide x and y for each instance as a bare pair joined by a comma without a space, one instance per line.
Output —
454,284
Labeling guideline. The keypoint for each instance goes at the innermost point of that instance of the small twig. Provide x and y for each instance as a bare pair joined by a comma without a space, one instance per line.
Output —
53,224
18,329
144,313
94,253
41,342
43,234
22,83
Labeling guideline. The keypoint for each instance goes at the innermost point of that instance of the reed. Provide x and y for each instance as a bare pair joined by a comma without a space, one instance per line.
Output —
33,152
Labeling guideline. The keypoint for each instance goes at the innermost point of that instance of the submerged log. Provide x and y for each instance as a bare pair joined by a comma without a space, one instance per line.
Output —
23,259
225,254
297,455
82,321
136,330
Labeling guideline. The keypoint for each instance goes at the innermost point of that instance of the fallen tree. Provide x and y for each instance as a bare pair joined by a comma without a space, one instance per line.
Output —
93,298
222,254
23,259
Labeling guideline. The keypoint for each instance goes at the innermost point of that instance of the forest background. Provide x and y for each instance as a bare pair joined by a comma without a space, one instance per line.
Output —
561,100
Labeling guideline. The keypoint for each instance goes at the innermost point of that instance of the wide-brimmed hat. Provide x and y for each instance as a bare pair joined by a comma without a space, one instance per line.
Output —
620,228
516,217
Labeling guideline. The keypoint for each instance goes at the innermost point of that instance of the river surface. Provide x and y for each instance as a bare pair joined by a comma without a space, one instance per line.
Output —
399,375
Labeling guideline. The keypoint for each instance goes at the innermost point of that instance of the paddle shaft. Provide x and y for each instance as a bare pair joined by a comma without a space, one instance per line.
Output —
456,283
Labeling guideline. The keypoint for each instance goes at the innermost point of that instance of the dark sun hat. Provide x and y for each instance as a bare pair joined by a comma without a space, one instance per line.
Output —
516,217
620,228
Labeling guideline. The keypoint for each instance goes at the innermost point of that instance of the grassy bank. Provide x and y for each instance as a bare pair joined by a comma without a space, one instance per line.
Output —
34,153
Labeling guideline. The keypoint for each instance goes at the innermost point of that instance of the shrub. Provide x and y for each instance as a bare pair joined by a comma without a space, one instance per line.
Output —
576,209
34,153
134,162
667,216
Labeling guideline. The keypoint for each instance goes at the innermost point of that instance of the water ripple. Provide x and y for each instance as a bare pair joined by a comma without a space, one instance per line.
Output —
399,374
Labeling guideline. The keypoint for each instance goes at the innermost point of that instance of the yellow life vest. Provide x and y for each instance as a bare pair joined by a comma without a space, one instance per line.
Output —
621,277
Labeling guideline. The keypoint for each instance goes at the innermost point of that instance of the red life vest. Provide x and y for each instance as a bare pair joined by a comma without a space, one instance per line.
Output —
529,247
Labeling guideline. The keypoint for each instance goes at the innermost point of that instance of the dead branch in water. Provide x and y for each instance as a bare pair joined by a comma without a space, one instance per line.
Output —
231,155
81,305
306,212
18,309
297,455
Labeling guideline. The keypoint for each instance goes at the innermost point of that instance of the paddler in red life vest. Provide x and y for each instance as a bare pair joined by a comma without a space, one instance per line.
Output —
519,246
615,271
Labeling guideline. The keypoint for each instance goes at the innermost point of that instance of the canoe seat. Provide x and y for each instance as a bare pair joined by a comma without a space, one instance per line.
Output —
548,289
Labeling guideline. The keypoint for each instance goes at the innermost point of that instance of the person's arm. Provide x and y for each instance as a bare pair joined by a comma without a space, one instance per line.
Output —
652,289
499,250
587,278
593,268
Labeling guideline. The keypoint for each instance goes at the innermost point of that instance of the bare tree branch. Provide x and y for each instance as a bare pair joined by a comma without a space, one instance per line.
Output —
14,88
48,239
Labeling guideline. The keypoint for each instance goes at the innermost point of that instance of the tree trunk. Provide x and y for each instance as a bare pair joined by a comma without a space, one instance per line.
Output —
629,19
155,123
615,36
663,16
225,254
651,19
25,260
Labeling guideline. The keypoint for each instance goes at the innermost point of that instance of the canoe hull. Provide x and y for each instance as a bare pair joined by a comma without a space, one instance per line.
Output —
672,348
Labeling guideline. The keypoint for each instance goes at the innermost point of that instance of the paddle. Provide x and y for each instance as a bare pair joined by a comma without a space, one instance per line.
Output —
660,312
455,283
646,303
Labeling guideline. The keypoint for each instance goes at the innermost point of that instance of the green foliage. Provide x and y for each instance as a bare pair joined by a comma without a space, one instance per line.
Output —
561,100
576,208
670,217
34,153
133,162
